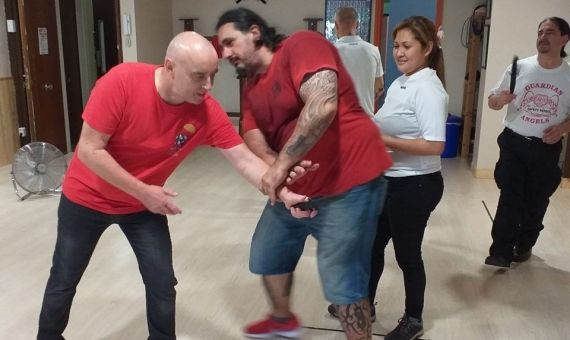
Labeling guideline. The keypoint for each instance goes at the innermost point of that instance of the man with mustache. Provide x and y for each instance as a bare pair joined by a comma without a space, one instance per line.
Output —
299,102
527,172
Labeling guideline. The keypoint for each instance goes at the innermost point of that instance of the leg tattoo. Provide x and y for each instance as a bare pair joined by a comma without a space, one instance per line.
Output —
355,320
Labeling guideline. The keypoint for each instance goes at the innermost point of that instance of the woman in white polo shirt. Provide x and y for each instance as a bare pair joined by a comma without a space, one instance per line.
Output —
412,121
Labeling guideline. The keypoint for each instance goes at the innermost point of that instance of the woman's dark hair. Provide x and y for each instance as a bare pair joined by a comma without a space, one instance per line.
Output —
244,18
562,27
424,31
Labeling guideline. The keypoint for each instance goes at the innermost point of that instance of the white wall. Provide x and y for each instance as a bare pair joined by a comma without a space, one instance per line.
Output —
154,29
454,15
286,16
129,43
510,34
4,56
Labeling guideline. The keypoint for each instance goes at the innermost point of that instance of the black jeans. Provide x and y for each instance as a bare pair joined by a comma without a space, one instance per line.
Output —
409,203
78,232
527,174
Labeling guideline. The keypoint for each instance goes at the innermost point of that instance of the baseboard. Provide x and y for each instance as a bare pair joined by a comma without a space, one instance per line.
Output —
483,173
233,114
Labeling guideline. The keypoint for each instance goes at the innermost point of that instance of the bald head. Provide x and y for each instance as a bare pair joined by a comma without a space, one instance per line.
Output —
191,47
346,21
188,71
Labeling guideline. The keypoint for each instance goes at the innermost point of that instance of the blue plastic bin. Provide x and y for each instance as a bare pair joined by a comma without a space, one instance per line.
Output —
452,127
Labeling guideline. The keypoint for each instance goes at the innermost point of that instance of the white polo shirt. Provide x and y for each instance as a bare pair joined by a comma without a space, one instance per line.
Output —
415,107
543,97
362,61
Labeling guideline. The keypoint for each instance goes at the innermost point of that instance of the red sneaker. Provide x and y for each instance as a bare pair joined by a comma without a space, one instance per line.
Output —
268,328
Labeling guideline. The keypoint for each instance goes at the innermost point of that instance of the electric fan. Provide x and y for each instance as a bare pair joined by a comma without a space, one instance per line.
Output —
38,168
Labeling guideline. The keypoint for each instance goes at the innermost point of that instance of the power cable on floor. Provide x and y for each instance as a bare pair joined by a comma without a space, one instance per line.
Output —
488,212
341,331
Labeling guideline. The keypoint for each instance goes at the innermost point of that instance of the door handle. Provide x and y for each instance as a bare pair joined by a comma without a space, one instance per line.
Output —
48,86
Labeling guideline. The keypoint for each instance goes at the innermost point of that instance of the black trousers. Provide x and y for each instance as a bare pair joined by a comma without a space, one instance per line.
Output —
409,203
78,232
527,174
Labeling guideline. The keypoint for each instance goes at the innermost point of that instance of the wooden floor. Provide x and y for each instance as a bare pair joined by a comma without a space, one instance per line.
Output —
217,295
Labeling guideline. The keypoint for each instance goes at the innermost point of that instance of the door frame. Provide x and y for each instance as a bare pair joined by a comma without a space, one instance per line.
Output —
17,69
71,69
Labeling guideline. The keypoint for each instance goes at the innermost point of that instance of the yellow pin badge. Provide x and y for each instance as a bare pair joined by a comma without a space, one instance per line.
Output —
190,128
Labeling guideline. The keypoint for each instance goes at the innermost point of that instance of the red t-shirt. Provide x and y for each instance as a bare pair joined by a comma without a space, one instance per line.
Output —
149,137
351,151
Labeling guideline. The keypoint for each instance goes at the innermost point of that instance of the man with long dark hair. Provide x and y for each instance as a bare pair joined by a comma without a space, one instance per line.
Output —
299,103
538,115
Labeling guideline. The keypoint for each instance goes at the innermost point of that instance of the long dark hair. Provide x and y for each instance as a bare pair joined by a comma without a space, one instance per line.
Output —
562,26
424,31
244,18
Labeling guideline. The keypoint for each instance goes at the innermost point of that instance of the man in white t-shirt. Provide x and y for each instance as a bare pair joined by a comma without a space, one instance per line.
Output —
360,58
538,115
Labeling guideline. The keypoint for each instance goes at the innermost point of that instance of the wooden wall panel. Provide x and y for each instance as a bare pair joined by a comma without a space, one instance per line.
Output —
9,140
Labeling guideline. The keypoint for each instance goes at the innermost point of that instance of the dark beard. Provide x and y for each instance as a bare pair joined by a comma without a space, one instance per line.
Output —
243,73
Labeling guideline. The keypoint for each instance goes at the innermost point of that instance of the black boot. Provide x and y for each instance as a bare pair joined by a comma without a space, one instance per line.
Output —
498,261
521,256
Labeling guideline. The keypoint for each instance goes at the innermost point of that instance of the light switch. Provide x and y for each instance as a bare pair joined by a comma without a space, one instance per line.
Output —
11,26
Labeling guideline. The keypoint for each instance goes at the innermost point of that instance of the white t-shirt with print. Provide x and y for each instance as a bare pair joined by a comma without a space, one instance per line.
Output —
543,97
415,107
362,61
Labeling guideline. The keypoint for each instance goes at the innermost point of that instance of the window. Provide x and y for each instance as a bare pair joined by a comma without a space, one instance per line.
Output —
364,9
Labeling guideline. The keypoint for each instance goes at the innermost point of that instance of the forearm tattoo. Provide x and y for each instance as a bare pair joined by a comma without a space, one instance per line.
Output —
355,319
318,92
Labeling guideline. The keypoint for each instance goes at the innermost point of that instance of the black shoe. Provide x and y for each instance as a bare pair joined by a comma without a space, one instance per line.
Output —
521,256
333,311
408,329
498,261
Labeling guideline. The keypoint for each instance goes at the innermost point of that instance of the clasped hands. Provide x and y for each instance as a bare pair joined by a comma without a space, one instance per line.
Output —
274,183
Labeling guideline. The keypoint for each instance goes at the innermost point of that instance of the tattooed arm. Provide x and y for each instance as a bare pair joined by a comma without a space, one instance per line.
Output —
319,93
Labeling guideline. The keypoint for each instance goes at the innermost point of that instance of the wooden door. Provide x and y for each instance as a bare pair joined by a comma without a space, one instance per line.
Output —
40,52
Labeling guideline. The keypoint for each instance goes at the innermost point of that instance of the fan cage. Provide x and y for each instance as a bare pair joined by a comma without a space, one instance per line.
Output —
38,168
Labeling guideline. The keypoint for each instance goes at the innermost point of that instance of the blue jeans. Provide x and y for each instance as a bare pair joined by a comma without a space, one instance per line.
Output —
344,228
78,231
